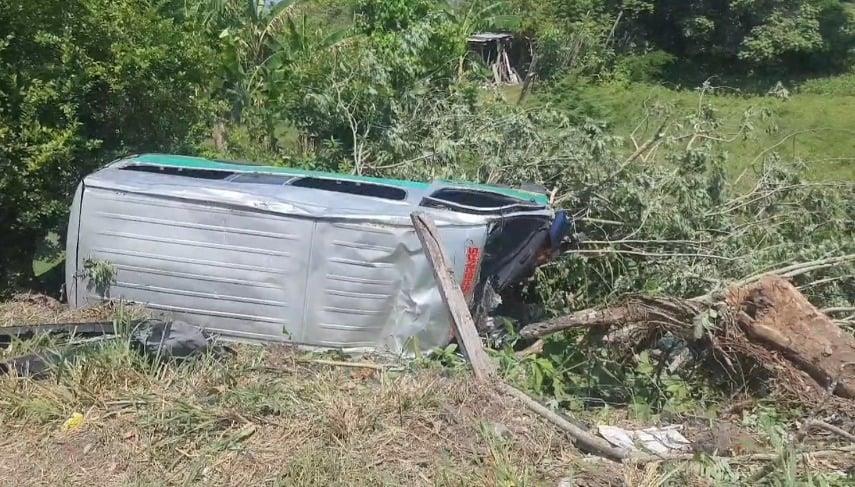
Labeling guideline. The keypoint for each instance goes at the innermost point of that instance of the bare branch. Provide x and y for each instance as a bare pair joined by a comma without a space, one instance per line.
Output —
753,457
650,254
799,268
817,424
794,134
838,309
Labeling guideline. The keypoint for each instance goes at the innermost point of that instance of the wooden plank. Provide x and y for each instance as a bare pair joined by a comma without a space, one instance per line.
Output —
461,319
26,332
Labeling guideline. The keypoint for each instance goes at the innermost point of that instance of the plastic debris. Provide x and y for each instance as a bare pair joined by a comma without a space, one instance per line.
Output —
75,421
164,340
658,441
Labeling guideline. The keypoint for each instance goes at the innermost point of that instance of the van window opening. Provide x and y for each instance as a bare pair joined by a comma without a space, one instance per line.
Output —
352,187
477,202
473,198
178,171
323,184
261,178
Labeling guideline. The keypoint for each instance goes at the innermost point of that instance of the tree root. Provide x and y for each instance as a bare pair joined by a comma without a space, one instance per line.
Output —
766,321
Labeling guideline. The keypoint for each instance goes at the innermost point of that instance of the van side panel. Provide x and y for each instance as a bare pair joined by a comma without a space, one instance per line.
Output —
229,270
71,260
259,275
372,287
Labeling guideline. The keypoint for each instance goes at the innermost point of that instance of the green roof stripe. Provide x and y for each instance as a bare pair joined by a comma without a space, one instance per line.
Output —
189,162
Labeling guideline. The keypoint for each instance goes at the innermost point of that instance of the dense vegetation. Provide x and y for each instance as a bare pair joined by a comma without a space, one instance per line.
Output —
737,36
345,85
679,184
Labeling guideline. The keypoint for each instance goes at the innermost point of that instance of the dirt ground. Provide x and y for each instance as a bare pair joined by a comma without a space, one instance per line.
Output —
774,313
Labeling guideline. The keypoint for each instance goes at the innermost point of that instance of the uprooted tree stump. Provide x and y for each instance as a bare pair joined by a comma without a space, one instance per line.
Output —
767,321
774,313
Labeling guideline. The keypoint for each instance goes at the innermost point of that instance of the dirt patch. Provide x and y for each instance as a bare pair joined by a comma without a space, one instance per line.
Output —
34,309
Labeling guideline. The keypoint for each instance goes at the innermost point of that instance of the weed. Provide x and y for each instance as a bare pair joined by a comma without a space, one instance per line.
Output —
260,399
503,470
101,274
446,357
319,465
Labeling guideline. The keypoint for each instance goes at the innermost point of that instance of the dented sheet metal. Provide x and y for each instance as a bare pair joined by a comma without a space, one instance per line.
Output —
270,262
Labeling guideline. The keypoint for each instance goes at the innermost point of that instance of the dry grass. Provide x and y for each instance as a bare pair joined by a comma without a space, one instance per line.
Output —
34,309
273,416
264,418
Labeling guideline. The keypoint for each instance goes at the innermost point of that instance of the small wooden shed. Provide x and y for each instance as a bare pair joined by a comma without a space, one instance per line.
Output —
492,48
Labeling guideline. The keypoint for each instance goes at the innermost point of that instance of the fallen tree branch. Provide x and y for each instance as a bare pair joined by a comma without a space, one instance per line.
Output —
636,310
817,424
838,309
797,269
649,254
824,281
533,349
598,220
452,296
791,135
586,318
657,135
583,438
756,196
339,363
646,241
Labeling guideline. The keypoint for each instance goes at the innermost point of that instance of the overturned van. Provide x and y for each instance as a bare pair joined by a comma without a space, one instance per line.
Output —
277,254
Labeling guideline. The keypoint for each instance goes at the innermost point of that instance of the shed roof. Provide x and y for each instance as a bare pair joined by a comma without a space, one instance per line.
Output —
490,37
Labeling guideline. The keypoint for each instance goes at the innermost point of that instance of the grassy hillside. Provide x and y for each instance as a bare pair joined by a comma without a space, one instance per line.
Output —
816,124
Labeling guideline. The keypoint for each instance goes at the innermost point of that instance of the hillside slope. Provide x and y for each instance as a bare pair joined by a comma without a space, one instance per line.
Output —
815,125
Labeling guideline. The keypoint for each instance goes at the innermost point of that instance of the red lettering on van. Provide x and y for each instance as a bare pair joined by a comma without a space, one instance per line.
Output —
470,272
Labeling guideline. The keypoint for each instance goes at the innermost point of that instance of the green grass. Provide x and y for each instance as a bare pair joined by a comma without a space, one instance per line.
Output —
815,125
49,254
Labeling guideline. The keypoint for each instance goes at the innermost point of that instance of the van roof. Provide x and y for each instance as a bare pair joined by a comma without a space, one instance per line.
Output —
189,162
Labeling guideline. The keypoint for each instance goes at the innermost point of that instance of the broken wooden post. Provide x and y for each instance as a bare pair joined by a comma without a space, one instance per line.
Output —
464,327
461,319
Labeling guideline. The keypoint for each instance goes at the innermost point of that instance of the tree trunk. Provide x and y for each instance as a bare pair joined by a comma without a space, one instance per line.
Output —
774,313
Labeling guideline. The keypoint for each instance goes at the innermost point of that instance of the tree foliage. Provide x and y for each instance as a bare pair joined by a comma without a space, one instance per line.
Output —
388,91
82,82
759,32
794,36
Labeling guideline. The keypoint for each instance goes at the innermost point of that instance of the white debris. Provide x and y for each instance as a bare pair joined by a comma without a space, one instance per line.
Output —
658,441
